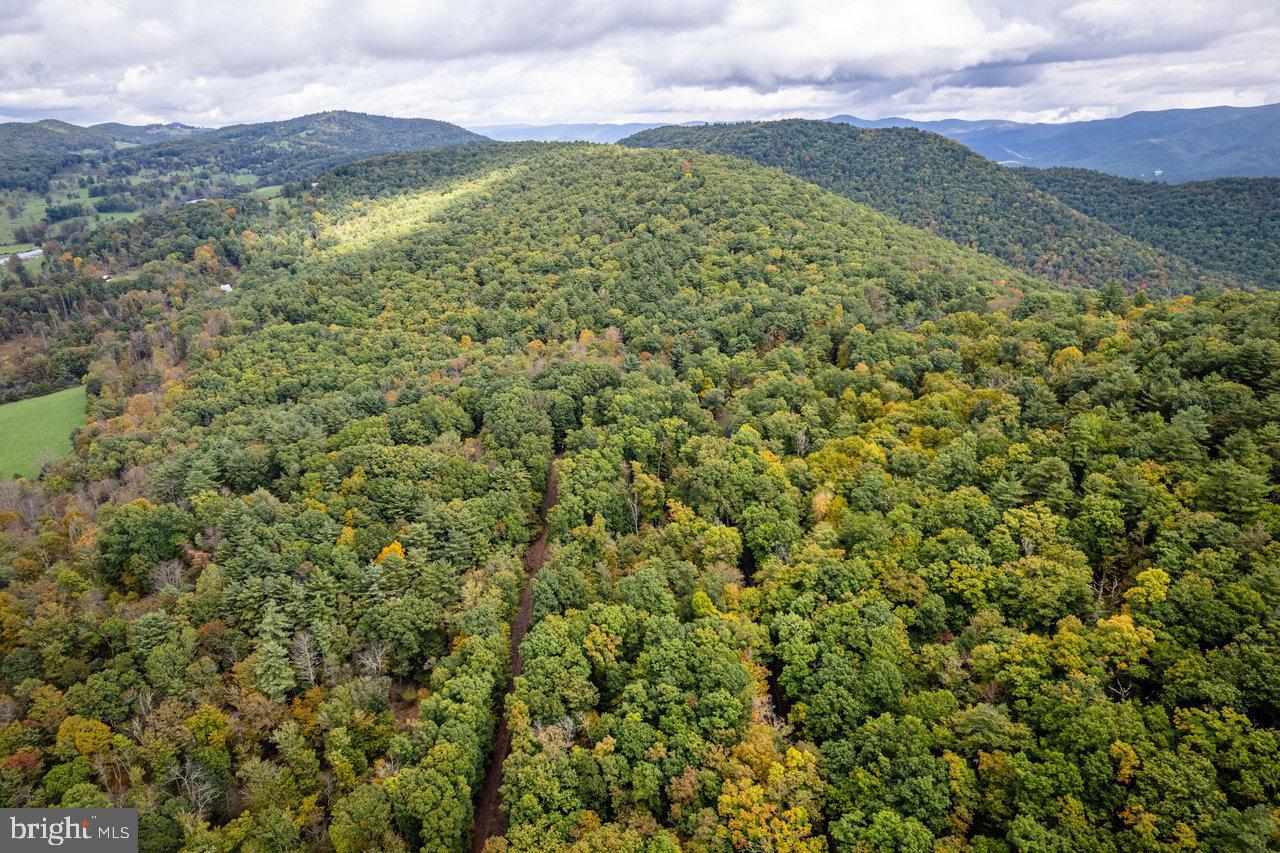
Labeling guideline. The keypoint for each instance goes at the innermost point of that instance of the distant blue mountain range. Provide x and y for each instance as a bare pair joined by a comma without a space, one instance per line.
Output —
1166,145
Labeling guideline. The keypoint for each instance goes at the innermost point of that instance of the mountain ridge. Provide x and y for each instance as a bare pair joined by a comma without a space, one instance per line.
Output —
563,132
935,183
292,148
1171,145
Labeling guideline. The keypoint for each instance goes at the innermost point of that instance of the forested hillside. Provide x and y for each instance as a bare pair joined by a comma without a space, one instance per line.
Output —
931,182
51,331
1228,224
146,133
863,540
1164,145
280,151
57,178
32,151
49,137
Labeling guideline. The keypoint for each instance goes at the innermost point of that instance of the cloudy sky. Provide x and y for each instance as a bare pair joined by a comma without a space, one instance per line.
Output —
211,62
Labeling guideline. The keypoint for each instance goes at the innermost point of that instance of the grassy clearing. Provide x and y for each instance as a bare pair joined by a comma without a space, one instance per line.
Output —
38,430
32,211
266,192
116,216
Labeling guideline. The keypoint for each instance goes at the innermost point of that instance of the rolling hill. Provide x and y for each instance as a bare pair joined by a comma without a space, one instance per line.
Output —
146,133
30,152
1227,224
274,149
42,138
586,132
934,183
286,150
1168,145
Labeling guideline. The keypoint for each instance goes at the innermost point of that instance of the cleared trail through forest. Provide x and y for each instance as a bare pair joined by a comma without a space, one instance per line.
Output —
488,820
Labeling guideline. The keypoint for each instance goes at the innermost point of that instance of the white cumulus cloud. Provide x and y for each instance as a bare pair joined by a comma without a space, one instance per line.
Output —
216,62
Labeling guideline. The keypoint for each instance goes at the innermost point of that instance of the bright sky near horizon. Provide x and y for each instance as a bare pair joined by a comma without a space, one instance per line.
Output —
213,62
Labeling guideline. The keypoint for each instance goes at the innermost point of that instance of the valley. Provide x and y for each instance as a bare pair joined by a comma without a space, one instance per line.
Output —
112,171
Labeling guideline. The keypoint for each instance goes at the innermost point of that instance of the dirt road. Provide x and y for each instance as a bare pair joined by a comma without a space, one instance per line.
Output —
488,820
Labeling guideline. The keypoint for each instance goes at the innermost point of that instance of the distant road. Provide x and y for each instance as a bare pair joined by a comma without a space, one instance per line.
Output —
24,256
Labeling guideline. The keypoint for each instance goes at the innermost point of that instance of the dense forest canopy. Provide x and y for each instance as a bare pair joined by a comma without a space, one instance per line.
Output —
863,540
934,183
1227,224
53,330
1164,239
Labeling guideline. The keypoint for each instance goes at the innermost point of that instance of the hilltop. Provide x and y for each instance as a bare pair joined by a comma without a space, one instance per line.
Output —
146,133
279,151
934,183
50,136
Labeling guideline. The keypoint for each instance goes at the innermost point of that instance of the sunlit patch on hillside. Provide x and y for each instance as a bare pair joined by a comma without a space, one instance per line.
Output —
385,221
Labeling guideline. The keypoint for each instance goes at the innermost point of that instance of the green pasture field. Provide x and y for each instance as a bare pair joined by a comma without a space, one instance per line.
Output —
37,430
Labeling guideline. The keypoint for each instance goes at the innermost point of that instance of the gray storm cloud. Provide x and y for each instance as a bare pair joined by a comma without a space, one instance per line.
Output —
214,62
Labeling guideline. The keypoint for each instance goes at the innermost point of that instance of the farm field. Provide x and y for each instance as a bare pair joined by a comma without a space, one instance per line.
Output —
38,430
28,209
22,208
